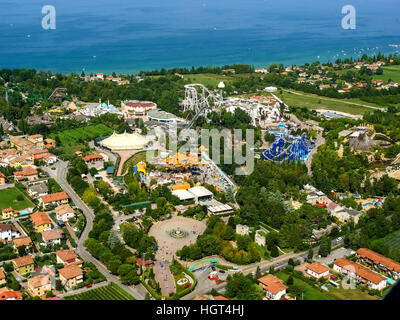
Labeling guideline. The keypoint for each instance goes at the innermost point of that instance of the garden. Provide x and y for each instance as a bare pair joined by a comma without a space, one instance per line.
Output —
78,135
14,198
109,292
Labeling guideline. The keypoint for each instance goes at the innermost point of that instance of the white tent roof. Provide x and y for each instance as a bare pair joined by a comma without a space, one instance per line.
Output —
125,141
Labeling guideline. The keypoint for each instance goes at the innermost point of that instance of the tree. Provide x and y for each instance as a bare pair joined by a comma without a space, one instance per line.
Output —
325,246
274,252
310,254
289,281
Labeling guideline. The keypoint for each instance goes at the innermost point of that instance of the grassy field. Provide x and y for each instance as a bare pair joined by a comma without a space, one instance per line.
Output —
110,292
208,79
316,102
310,292
77,135
393,240
8,199
355,294
389,73
132,161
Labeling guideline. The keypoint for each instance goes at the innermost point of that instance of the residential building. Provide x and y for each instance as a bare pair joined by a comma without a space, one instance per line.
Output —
242,230
359,273
23,241
53,236
71,276
10,295
27,173
273,287
93,159
54,199
67,257
24,265
41,221
8,232
9,213
3,179
64,213
38,190
39,285
2,277
317,270
379,261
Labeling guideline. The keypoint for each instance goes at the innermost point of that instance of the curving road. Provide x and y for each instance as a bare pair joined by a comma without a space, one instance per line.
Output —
60,174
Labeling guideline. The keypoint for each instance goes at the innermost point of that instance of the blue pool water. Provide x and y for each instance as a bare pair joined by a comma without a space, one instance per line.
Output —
24,212
390,281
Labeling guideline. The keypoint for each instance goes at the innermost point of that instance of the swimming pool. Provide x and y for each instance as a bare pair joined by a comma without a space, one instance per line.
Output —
390,281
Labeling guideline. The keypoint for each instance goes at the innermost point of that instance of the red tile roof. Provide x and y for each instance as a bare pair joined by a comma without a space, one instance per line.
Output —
40,218
92,157
23,261
317,267
272,283
359,270
70,272
66,255
55,197
379,259
10,295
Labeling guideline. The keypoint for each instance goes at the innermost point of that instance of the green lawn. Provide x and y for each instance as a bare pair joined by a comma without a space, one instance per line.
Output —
208,79
347,294
393,240
78,135
8,199
109,292
310,292
316,102
389,73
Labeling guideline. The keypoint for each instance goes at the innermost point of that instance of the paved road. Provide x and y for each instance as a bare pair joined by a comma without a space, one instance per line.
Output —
319,142
279,262
111,156
138,292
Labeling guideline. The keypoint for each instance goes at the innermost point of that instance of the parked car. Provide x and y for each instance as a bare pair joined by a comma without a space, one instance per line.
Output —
221,271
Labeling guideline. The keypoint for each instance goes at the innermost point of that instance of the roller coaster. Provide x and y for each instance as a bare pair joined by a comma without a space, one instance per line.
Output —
197,99
287,148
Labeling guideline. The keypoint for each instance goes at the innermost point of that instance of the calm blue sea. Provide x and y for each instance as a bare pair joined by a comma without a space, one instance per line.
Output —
133,35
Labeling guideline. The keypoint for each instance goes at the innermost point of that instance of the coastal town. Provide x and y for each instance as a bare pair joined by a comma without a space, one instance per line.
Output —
97,202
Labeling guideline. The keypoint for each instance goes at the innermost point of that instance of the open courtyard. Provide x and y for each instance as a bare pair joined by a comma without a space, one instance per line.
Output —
172,235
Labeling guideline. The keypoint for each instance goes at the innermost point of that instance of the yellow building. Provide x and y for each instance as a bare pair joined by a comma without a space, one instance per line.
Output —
41,221
24,265
9,213
71,276
2,277
39,285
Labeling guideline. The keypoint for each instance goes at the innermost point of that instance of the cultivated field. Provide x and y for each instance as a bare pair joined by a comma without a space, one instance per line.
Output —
74,136
110,292
8,199
393,240
389,73
314,102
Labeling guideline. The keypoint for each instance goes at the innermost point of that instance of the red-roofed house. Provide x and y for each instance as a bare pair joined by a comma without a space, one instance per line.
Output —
317,270
26,173
362,274
54,199
273,286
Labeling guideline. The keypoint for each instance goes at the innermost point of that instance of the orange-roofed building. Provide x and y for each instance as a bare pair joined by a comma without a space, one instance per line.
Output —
54,199
24,241
41,221
93,159
317,270
24,264
359,273
26,173
3,179
2,277
183,186
273,286
71,276
10,295
39,285
379,261
67,257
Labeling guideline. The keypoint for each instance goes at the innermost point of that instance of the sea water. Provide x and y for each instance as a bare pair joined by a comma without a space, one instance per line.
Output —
133,35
